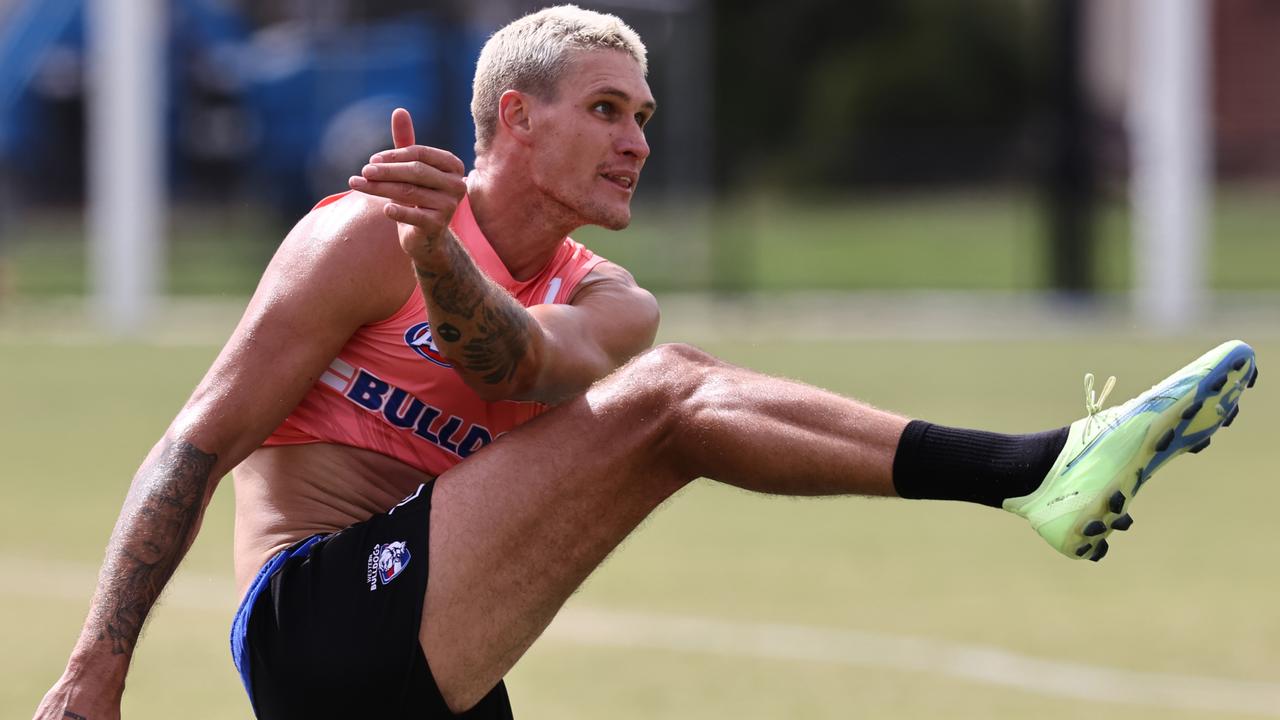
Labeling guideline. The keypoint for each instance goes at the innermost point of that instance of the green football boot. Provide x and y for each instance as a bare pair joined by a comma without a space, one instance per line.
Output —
1110,454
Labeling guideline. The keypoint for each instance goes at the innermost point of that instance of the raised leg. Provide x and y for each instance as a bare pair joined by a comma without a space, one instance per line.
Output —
518,527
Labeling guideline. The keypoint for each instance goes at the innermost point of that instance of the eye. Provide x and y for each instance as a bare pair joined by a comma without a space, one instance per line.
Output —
641,119
603,107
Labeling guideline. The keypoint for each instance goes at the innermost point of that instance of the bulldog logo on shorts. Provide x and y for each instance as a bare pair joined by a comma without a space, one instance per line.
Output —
386,562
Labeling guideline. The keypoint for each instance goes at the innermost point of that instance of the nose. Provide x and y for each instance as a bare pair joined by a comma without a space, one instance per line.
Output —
633,143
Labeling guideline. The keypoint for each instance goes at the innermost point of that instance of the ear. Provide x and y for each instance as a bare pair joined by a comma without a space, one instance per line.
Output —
514,115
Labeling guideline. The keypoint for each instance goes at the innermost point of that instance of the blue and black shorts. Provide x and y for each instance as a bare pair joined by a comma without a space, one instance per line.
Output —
329,627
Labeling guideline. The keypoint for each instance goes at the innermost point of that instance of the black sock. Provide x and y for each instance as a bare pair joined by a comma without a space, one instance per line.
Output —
941,463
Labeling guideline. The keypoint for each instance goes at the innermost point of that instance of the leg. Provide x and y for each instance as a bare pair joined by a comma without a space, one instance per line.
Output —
518,527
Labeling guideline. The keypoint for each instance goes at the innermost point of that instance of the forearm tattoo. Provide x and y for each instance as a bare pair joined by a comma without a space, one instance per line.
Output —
73,716
499,343
488,327
459,290
157,525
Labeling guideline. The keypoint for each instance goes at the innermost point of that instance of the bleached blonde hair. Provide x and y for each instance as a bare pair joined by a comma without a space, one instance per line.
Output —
530,55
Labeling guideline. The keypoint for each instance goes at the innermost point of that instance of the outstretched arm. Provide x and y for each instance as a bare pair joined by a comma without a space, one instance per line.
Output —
157,524
503,350
320,287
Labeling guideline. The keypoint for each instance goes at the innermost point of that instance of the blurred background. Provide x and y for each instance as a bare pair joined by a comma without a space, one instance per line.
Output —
991,146
949,209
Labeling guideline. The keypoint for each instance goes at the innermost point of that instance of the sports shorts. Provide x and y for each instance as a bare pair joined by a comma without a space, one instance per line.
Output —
329,627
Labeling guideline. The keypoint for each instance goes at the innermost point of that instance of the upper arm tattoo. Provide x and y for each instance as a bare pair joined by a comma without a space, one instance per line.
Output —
157,525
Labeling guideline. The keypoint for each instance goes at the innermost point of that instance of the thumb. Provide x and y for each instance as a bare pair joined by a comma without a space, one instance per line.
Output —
401,128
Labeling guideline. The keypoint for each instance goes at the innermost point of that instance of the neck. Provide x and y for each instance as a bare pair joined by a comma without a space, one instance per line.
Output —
523,226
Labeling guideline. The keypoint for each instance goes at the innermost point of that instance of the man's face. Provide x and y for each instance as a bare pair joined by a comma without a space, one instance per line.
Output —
589,143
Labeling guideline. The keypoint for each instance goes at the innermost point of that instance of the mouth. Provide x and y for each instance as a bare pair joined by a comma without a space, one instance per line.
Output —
624,180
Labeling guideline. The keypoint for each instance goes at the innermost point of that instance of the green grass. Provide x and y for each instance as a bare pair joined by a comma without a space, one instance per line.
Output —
1190,590
991,241
210,253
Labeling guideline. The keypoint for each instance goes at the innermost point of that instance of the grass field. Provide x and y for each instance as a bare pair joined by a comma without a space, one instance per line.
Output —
1190,593
967,241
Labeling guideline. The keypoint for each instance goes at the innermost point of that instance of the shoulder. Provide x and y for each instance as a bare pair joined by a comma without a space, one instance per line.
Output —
614,284
347,251
608,276
353,224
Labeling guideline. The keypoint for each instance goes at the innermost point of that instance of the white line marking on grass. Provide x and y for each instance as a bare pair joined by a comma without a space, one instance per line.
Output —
598,627
988,665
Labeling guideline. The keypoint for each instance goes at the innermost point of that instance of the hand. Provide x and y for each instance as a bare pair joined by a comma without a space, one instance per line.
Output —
68,701
424,185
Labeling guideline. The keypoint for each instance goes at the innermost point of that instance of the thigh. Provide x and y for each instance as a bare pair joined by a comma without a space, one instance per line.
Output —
517,528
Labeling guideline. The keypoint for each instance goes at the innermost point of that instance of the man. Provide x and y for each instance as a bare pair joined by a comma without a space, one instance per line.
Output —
358,374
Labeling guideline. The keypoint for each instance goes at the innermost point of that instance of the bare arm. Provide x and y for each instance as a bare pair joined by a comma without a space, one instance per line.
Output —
157,524
544,353
500,348
321,286
161,515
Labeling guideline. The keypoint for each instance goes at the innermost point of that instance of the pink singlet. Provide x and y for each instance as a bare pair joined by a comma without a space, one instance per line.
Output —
390,391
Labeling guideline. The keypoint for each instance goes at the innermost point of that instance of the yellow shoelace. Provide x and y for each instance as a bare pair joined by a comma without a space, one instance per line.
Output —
1092,404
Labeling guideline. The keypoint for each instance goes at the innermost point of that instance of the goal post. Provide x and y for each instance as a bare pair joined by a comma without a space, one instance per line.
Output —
1171,157
125,148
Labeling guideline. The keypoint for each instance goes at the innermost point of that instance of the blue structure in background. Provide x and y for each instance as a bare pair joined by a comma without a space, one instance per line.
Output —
39,67
285,112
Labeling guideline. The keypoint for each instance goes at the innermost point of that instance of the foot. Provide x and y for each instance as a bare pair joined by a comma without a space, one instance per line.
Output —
1110,454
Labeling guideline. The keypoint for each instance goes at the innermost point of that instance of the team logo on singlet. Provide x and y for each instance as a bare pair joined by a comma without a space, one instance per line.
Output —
386,562
419,338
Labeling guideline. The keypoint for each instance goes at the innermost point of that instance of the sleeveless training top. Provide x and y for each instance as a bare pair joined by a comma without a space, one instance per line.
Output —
391,391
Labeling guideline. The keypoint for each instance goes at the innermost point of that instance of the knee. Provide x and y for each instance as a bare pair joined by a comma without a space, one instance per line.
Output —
675,371
659,380
676,355
664,396
673,382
